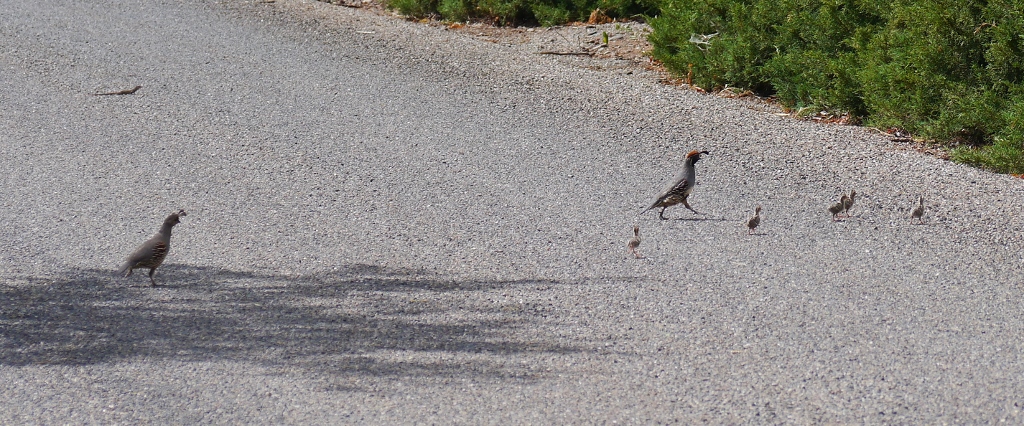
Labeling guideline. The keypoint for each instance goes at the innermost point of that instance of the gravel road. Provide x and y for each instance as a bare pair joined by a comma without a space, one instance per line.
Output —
392,222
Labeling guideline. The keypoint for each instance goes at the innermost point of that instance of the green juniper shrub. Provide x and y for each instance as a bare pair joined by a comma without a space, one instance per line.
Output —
942,69
1006,153
1003,28
504,12
548,15
724,42
919,70
414,8
816,61
1003,156
522,12
454,10
632,9
1013,118
816,80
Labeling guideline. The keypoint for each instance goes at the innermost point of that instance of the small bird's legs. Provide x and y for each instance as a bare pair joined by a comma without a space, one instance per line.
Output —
636,253
687,205
661,214
151,272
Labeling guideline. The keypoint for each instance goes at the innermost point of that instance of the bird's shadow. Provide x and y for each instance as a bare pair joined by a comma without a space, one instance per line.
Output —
701,219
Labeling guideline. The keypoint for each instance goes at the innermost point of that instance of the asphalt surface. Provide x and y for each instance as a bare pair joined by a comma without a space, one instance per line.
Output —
395,223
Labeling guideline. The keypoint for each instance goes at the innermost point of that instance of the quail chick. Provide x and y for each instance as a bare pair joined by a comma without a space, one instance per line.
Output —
153,252
837,208
754,221
634,242
918,212
848,203
680,188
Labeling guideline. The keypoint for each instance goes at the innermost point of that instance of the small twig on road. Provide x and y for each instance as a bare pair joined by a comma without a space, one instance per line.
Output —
122,92
554,52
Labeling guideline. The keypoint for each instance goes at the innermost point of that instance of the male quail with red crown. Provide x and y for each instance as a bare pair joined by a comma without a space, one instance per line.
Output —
679,190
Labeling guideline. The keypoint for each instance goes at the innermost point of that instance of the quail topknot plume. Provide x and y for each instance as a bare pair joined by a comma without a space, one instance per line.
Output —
754,221
918,212
153,252
848,202
634,242
680,188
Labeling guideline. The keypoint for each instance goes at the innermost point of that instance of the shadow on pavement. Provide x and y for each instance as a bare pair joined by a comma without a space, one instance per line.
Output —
333,321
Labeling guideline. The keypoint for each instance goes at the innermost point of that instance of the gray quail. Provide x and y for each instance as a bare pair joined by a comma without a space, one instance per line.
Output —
680,188
918,212
754,221
634,242
153,252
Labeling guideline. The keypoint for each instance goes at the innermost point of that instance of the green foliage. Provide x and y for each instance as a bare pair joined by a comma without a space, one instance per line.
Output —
1013,118
1004,25
942,69
548,15
924,71
454,10
1003,156
414,8
518,12
724,41
1006,154
619,8
811,78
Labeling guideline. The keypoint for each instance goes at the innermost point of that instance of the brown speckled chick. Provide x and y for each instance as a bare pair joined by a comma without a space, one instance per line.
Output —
848,202
837,208
754,221
634,242
918,212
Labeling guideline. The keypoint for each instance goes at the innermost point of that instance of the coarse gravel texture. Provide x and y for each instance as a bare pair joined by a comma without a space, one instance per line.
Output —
398,223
